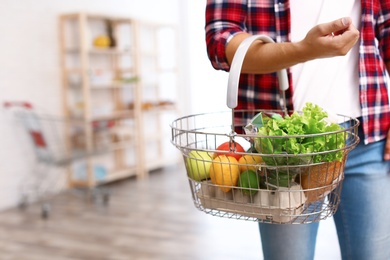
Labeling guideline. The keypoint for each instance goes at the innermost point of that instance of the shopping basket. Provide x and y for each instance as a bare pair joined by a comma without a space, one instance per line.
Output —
243,180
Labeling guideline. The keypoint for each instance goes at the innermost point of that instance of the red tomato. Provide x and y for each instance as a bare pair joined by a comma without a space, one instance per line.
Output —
233,148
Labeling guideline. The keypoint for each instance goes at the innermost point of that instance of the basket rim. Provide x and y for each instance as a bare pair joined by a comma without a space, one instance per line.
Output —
355,123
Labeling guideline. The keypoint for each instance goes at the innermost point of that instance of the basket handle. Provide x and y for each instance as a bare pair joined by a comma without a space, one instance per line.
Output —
235,70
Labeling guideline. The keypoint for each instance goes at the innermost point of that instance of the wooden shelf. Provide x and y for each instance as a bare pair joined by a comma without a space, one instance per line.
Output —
97,51
114,116
107,86
113,85
119,175
112,176
109,51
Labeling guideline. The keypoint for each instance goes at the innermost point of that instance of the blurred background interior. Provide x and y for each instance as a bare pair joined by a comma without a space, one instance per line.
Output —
88,90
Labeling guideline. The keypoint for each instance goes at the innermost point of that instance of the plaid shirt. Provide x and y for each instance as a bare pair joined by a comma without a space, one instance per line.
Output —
225,18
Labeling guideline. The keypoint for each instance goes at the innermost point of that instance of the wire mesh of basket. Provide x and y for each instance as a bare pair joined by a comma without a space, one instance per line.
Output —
246,175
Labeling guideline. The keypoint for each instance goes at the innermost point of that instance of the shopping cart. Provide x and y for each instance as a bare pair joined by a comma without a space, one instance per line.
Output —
49,137
250,179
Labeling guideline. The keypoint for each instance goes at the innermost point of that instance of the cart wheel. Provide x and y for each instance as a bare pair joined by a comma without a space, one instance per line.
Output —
106,198
45,211
94,196
23,202
101,196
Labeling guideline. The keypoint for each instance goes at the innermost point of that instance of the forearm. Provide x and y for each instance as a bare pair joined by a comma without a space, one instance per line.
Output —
264,58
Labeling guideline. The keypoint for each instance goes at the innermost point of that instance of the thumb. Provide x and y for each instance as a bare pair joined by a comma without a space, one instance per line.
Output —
337,25
346,21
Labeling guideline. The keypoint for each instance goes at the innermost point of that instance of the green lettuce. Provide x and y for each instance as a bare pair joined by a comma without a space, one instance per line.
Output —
300,138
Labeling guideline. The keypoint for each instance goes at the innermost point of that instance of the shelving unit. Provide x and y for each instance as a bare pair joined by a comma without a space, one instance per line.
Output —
99,84
124,91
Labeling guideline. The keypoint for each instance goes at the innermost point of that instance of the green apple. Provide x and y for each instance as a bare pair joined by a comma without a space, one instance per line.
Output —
198,165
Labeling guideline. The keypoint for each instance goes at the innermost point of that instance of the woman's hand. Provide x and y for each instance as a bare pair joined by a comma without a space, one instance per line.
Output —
330,39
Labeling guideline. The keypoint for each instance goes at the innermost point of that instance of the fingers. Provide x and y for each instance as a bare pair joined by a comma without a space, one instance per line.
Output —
336,26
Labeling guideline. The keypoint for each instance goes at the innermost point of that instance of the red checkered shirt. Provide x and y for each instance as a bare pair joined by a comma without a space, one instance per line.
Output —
225,18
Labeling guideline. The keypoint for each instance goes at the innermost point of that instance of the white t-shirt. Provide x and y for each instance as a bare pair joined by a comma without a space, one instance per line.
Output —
331,83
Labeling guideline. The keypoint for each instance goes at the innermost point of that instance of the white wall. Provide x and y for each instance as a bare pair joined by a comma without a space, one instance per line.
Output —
208,86
29,68
29,49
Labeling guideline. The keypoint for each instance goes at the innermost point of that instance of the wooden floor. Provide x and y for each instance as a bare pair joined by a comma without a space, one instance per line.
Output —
145,219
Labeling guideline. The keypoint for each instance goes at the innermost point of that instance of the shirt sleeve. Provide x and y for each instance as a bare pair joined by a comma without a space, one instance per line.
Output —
224,19
383,27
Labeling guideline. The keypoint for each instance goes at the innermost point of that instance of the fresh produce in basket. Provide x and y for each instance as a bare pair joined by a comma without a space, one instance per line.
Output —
277,138
275,178
233,147
224,171
300,139
319,179
250,162
198,165
249,182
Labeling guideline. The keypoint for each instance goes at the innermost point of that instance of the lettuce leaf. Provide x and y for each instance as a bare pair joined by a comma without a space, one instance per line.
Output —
304,137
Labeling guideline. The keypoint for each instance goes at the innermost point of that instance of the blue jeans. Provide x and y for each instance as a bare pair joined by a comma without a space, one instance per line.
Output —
362,219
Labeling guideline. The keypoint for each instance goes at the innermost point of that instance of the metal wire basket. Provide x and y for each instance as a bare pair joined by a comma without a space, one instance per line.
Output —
242,182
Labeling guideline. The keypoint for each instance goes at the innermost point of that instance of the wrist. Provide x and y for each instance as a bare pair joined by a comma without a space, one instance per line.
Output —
302,52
